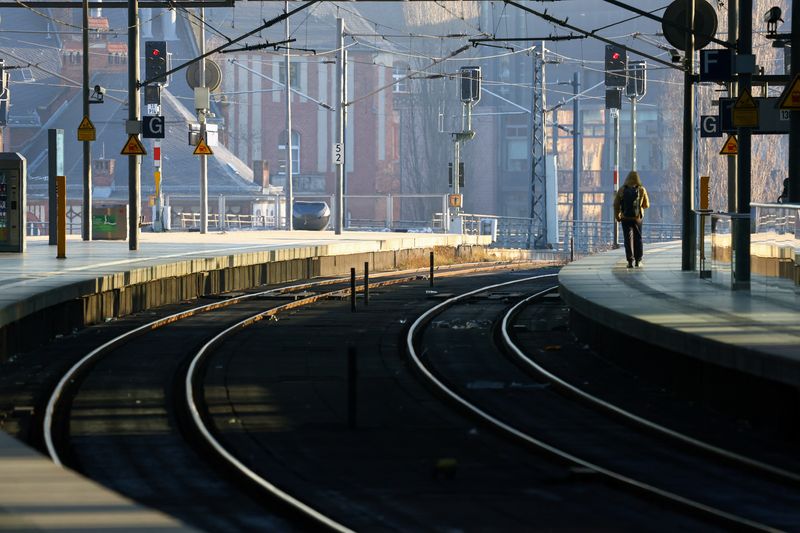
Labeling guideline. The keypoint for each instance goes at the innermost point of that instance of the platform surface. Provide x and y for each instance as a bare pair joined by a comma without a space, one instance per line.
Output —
755,331
36,279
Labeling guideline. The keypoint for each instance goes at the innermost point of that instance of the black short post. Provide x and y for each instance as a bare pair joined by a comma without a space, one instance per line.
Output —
352,389
431,276
353,289
366,282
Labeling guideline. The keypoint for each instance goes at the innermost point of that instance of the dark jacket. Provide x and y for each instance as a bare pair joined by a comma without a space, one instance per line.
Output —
631,181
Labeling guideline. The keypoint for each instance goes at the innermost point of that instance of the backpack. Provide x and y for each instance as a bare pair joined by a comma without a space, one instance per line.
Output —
631,202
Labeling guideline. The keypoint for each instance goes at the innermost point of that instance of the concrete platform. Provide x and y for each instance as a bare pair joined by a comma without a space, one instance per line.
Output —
756,331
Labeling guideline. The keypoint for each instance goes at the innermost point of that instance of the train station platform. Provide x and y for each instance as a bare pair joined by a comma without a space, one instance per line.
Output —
754,331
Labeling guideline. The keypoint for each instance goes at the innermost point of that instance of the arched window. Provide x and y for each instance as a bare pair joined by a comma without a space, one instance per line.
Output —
295,153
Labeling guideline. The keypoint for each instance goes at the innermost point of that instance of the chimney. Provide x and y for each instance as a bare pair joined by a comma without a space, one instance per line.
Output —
97,12
261,173
168,25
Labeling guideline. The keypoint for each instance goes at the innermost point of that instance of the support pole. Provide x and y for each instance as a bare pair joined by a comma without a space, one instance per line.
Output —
289,181
741,223
86,215
353,289
339,215
366,283
201,116
577,150
431,274
689,225
134,163
61,217
794,127
633,132
733,160
615,166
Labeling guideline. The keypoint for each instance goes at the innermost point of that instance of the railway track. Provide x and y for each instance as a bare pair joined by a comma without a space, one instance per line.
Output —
526,402
235,415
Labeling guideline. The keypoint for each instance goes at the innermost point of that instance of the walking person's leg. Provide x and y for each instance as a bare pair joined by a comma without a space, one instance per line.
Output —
627,235
638,247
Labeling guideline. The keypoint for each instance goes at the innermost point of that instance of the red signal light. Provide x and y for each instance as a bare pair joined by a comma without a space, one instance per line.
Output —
156,52
614,56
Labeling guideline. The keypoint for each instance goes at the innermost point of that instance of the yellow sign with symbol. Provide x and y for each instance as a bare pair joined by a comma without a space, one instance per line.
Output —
790,99
133,146
731,146
202,148
745,111
86,131
455,200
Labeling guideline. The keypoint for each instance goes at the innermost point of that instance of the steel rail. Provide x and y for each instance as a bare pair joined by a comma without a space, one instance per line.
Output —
426,317
72,374
609,407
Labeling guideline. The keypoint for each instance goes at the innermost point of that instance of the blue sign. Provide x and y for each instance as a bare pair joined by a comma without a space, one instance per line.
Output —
716,64
153,127
709,126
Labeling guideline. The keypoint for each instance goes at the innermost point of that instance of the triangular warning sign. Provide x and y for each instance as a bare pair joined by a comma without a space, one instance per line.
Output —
133,146
86,124
790,99
745,101
731,146
202,148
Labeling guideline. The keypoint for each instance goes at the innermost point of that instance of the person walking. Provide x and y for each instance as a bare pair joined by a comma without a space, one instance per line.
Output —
629,205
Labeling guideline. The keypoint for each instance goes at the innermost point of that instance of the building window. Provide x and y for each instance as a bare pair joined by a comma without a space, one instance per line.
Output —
295,153
295,75
400,71
517,148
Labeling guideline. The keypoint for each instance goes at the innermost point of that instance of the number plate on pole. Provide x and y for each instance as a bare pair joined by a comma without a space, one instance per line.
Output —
338,153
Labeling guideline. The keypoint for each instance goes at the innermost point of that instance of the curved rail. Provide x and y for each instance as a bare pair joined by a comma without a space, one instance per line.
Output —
643,422
524,437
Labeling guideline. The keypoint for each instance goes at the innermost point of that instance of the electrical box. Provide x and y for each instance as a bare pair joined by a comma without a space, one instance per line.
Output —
616,65
13,209
637,79
470,84
155,61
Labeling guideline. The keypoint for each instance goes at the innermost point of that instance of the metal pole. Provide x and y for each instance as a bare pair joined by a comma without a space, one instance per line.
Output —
633,132
430,278
741,226
732,91
615,165
577,149
339,215
794,126
353,289
201,117
289,188
86,215
366,283
689,229
134,163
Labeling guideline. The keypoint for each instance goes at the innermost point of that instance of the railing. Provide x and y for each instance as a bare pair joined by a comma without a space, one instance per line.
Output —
774,249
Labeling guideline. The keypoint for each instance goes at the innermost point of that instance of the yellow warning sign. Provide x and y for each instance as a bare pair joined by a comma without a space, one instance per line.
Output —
133,146
86,131
731,146
790,99
202,148
745,111
455,200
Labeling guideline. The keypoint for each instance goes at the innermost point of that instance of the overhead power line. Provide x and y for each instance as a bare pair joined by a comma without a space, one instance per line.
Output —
567,25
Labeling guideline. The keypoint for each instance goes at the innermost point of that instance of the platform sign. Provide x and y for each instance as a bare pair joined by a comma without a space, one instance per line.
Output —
338,153
133,146
790,98
709,126
771,119
745,111
86,130
716,64
202,148
153,127
731,146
